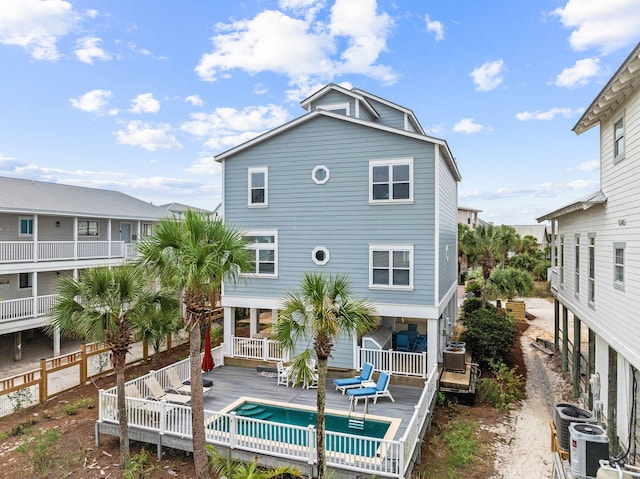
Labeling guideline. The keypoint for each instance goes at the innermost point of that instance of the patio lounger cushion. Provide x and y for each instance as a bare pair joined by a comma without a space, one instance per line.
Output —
355,382
381,389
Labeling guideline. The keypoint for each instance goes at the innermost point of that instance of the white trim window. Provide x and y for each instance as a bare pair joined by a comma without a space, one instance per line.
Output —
618,265
577,265
258,188
391,181
264,245
339,108
562,261
87,227
147,229
25,280
618,139
391,266
25,226
592,270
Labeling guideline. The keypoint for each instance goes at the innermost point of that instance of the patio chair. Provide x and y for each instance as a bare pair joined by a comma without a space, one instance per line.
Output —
381,389
179,387
403,343
355,382
283,374
412,327
157,393
420,343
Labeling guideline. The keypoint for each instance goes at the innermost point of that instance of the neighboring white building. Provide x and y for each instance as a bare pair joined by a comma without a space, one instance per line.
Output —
596,272
539,232
179,209
48,231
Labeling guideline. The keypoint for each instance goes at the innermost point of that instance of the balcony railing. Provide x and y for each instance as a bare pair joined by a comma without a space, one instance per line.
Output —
13,309
29,251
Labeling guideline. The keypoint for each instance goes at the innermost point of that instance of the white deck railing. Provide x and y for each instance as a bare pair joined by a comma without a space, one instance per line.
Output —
411,437
263,349
379,457
12,309
393,362
28,251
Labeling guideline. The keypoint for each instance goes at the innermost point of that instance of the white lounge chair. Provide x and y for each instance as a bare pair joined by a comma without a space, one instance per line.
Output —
156,392
178,387
381,389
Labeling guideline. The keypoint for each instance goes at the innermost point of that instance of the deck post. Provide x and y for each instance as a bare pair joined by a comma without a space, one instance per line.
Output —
576,356
565,339
17,346
556,321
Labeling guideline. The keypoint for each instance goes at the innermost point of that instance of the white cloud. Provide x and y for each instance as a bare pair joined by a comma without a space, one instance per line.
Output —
91,13
145,103
87,50
195,100
144,51
225,127
205,166
580,74
488,76
605,25
307,50
469,126
435,27
36,25
93,101
143,135
547,115
590,165
542,190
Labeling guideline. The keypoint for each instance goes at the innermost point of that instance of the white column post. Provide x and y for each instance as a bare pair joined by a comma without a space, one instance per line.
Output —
432,343
253,321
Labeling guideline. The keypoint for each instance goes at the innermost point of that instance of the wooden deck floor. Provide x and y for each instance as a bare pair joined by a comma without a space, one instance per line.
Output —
233,382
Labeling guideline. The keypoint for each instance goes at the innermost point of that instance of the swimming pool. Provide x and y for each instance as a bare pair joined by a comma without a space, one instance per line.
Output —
276,419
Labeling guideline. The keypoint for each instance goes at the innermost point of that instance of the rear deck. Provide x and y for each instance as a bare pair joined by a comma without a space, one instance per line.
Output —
413,407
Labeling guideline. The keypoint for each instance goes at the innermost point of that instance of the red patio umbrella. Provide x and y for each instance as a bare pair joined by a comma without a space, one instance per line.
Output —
207,359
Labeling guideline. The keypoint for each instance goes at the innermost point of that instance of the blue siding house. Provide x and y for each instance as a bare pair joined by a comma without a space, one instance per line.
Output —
352,186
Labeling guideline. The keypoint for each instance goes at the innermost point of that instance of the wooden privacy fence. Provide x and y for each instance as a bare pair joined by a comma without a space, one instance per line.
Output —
56,375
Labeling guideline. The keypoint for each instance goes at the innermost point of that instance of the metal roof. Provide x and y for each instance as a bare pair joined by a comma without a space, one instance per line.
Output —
40,197
582,204
181,208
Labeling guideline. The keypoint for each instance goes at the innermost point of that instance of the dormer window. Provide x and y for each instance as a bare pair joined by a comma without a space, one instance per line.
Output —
339,108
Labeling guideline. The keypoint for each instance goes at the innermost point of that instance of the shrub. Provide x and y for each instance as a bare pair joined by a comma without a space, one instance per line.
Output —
500,391
475,288
490,335
473,304
37,449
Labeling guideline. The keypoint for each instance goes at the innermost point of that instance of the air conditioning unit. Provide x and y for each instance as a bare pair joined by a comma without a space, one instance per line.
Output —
589,444
563,415
454,359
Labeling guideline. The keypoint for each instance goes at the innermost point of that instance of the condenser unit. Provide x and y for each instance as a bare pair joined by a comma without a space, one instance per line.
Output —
589,444
564,415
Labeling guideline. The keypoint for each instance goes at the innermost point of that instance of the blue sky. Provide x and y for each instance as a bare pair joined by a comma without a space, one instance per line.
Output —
139,96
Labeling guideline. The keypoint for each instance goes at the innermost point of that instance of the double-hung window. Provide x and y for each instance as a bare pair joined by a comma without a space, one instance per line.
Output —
561,260
391,266
618,139
264,245
25,224
87,228
592,270
618,265
147,229
577,252
391,181
258,187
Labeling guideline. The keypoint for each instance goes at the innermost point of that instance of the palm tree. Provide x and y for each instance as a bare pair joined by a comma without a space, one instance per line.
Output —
194,255
511,282
104,305
320,311
156,326
485,246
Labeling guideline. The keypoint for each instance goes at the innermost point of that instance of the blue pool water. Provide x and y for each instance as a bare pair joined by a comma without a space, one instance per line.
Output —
278,416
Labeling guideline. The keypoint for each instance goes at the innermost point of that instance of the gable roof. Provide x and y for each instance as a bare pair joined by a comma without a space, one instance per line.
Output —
582,204
181,208
369,124
40,197
306,103
614,93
